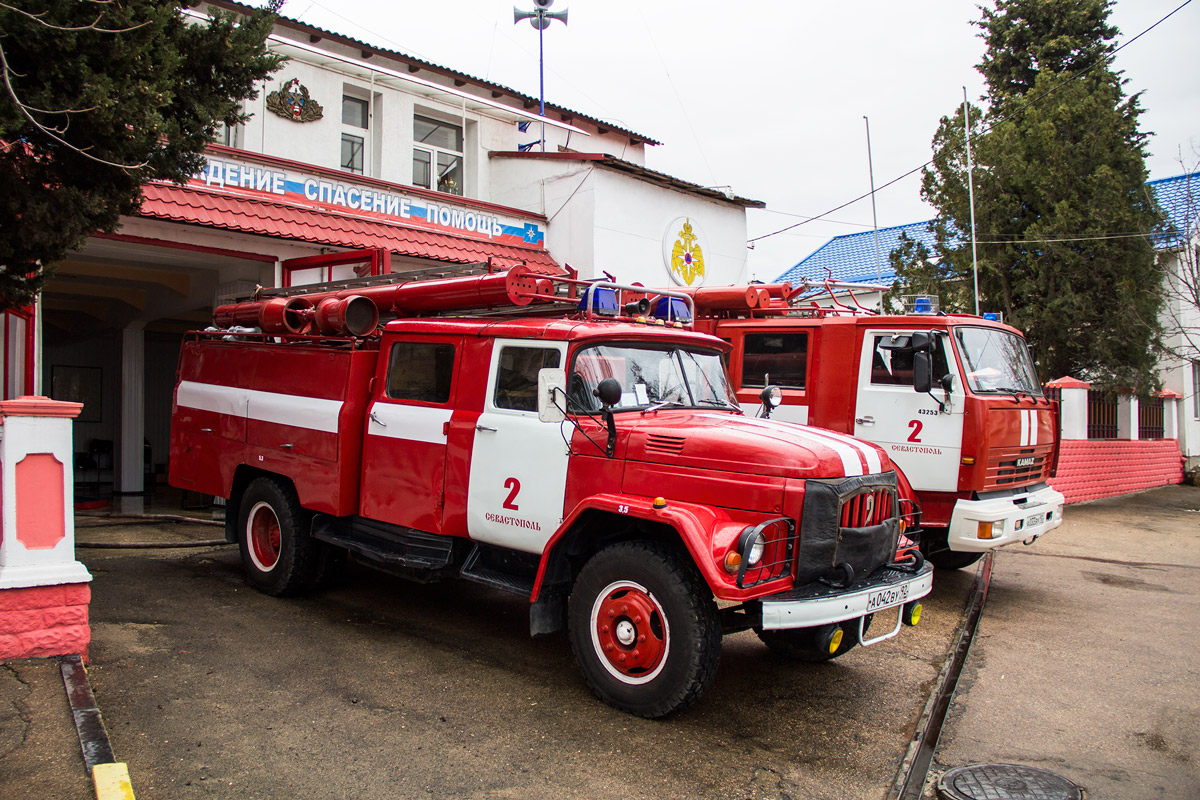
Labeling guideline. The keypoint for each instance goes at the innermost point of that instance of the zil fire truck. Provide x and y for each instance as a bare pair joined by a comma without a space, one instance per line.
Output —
596,465
953,399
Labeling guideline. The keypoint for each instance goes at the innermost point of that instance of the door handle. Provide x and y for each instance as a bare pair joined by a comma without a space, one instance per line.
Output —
206,430
864,420
485,428
377,420
287,446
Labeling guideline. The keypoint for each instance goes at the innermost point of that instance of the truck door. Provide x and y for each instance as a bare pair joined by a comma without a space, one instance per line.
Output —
404,450
518,475
924,440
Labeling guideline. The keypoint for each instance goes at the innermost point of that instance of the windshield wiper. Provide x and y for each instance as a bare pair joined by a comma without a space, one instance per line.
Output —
663,404
716,401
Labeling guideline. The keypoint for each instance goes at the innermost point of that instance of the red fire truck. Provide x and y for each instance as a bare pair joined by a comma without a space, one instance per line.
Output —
953,399
598,466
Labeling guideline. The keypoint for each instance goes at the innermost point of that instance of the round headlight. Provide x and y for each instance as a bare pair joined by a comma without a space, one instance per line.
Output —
772,396
751,546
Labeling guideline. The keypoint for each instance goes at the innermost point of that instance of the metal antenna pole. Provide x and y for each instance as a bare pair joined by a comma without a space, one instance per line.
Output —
971,194
542,24
874,218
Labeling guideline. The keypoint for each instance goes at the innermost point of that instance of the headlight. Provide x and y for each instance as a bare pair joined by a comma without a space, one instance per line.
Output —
751,545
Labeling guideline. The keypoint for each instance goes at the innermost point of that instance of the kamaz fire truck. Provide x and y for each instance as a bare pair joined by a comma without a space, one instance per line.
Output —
953,399
597,465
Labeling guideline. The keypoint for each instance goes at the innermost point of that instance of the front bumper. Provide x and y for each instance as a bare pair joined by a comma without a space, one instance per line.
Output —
818,604
1013,518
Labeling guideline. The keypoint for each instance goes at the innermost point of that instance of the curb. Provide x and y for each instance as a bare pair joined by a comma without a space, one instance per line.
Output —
110,779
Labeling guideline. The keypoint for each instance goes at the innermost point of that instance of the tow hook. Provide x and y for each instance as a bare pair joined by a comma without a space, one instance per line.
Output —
1030,540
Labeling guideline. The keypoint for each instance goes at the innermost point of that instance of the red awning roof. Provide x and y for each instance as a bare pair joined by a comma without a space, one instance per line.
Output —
199,207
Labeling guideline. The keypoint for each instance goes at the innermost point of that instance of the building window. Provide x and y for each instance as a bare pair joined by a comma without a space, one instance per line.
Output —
437,155
355,114
1196,389
352,153
227,134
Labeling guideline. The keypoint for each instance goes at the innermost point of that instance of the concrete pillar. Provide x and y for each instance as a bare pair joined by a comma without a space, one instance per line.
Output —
1172,401
1073,410
1127,417
133,409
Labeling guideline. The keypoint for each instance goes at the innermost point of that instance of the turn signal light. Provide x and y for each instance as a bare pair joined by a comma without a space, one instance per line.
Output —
733,560
985,530
660,503
968,461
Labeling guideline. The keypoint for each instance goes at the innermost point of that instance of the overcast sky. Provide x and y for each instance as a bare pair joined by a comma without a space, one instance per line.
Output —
768,97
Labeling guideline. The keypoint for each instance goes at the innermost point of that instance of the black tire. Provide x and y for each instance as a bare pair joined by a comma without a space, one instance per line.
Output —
801,644
934,547
662,636
277,553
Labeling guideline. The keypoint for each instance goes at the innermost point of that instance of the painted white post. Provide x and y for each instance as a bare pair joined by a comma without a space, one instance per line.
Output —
1073,408
1127,417
37,485
1171,404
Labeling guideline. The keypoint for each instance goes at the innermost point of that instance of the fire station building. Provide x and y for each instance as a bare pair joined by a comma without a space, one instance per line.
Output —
354,161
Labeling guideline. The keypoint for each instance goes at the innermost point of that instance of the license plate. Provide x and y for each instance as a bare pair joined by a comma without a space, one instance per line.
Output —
1036,519
884,598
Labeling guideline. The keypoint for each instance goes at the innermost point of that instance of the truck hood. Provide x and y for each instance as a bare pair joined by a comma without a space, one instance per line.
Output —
702,439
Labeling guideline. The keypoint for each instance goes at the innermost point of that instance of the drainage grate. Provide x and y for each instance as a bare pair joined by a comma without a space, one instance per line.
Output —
1006,782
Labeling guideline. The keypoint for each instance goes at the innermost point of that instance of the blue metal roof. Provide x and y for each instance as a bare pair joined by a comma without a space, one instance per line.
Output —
852,257
1179,197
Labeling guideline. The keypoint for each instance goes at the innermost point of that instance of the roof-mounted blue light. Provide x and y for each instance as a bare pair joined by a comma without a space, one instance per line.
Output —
672,309
602,301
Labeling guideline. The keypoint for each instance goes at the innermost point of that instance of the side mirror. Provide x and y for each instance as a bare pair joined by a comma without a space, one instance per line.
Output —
609,392
920,341
922,369
552,394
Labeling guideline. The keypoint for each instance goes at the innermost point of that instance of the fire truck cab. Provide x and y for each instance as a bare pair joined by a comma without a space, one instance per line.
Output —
953,399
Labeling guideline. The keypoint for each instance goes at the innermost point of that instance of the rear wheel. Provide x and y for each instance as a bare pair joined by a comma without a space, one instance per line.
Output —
277,553
644,629
806,644
937,551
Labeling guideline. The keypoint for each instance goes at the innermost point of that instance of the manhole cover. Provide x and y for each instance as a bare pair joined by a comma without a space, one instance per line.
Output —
1006,782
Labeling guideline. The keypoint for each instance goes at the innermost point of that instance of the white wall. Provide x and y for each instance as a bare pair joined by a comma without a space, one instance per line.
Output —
1177,375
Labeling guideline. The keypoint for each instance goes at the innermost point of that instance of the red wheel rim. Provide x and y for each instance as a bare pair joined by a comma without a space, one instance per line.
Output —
262,535
630,632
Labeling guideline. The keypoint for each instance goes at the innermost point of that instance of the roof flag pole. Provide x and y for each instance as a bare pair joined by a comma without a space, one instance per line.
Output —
971,194
874,219
540,18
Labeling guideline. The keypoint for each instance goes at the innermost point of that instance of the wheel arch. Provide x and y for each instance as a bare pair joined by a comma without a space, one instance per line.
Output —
243,476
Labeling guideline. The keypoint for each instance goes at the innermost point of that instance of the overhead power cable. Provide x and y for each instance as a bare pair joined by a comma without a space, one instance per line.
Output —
985,130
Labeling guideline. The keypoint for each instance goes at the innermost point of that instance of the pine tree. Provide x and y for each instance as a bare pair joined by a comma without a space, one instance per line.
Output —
97,98
1062,211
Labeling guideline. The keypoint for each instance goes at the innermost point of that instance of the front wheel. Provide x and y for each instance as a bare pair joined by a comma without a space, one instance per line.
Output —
644,629
277,553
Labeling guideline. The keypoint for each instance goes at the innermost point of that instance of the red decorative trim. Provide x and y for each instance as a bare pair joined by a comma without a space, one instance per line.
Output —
1069,383
1168,394
195,248
34,406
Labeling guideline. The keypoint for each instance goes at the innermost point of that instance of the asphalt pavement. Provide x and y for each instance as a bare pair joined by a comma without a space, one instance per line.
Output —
1085,664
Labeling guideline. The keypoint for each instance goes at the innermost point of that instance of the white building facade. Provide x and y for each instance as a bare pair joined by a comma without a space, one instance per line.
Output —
354,160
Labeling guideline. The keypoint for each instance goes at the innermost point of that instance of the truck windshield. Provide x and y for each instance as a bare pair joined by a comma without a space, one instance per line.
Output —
650,376
996,361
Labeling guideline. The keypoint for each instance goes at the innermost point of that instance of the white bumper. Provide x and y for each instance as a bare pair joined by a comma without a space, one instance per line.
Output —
794,610
1015,518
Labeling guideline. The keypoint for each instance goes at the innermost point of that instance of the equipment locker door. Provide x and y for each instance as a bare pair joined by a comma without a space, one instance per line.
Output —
518,474
924,440
404,450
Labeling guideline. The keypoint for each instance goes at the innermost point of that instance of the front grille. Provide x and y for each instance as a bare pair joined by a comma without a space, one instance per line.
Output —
664,445
1017,466
866,508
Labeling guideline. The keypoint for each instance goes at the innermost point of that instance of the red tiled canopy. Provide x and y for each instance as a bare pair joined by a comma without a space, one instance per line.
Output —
198,207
